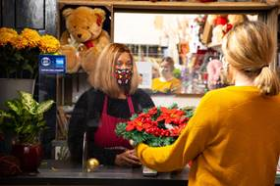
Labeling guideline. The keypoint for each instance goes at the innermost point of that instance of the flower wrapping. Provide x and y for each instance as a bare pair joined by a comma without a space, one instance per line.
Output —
157,126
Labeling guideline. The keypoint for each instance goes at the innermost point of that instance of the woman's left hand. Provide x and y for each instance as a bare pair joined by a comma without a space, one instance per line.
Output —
127,158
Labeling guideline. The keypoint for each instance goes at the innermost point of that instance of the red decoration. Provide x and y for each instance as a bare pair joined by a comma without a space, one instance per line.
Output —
221,20
157,126
89,44
227,28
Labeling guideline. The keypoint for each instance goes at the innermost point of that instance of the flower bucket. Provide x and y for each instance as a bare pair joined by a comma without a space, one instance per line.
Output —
29,155
10,88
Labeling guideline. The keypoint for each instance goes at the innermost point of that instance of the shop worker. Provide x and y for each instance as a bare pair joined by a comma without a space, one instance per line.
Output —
233,139
114,98
166,83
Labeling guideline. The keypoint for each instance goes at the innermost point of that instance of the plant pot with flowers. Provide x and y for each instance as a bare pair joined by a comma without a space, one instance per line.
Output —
19,57
24,119
158,126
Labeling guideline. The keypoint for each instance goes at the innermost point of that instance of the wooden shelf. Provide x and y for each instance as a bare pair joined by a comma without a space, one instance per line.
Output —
166,6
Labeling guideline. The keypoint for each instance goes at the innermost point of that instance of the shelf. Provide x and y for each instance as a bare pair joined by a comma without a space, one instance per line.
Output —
167,6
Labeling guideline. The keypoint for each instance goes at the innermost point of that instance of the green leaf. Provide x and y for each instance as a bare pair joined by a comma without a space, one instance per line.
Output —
15,106
120,129
29,68
146,110
28,102
189,111
3,117
42,125
173,106
22,118
44,106
133,116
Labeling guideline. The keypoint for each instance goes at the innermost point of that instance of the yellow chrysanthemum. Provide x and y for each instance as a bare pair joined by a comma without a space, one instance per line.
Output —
32,37
8,30
20,42
6,38
49,44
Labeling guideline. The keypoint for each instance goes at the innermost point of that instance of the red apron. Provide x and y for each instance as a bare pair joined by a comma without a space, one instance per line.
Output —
105,135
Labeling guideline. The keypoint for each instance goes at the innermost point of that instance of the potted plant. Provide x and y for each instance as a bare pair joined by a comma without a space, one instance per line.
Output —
157,126
24,120
19,56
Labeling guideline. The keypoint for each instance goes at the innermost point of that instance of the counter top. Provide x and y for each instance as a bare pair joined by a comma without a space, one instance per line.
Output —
61,173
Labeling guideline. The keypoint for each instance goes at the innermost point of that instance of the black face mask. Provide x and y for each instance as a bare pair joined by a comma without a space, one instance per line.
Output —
123,76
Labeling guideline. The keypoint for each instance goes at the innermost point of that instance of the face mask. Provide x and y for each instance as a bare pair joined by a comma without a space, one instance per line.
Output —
123,76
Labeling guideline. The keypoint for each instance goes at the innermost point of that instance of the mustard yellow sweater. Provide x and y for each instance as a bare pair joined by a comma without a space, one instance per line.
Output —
233,139
174,85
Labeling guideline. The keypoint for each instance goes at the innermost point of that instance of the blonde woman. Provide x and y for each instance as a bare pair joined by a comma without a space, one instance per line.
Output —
234,136
113,99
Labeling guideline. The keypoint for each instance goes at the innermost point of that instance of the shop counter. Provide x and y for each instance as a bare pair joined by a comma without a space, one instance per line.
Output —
63,173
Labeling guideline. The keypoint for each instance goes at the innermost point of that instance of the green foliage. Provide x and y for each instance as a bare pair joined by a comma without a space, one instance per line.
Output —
19,63
177,73
189,111
24,117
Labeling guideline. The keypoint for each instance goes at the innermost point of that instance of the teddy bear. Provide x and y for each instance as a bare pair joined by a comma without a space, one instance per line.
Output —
84,37
233,20
217,22
222,24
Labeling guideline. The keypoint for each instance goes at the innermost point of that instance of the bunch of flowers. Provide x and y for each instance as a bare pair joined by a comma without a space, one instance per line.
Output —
19,52
158,126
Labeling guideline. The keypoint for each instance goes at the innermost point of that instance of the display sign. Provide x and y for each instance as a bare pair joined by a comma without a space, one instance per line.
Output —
52,64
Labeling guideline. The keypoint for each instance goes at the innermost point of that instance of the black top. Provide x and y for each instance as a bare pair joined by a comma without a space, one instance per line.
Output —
85,117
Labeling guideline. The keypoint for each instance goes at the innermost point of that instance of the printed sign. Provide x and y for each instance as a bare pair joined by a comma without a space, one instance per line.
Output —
52,64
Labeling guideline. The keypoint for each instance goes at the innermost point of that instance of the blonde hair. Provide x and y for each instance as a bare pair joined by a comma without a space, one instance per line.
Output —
250,48
103,75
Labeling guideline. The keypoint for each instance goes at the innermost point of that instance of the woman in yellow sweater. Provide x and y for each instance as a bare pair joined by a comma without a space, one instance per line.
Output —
233,138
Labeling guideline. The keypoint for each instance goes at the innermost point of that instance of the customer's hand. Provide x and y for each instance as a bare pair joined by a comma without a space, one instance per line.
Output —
127,158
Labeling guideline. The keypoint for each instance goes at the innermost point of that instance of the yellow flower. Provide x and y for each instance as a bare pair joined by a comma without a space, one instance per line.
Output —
20,42
7,37
32,37
19,52
48,44
8,30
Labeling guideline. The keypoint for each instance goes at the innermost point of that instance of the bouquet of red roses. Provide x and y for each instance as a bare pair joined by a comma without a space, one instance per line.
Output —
157,126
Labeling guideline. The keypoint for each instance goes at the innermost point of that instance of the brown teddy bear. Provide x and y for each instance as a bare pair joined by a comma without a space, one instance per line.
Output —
84,38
